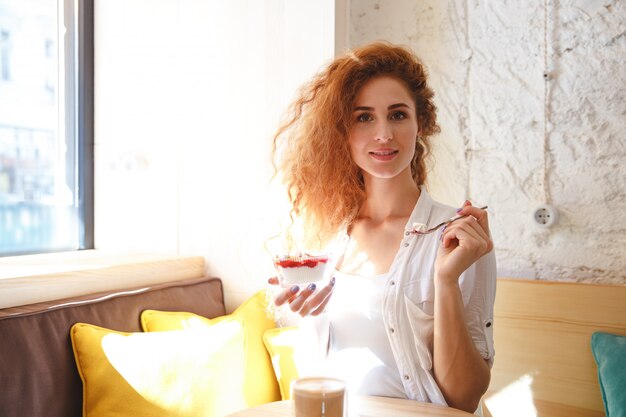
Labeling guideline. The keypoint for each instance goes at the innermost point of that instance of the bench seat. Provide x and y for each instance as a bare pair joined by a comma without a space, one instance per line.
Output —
544,366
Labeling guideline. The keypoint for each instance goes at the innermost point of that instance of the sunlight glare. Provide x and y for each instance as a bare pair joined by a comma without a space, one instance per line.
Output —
165,371
355,364
514,400
302,346
354,299
193,322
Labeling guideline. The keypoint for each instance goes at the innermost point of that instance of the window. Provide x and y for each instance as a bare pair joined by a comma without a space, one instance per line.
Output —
46,126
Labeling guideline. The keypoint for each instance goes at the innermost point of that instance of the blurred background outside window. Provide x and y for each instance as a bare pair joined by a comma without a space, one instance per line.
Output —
40,167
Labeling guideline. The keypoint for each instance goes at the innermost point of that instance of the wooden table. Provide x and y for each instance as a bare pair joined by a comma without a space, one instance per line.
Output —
363,407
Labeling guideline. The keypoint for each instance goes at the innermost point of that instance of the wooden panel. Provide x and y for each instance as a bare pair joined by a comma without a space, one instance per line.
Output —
550,409
40,278
546,409
542,333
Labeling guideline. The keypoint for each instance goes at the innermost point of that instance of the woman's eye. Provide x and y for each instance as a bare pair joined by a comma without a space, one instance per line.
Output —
399,115
364,117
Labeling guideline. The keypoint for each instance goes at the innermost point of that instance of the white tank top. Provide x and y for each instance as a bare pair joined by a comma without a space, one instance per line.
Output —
359,350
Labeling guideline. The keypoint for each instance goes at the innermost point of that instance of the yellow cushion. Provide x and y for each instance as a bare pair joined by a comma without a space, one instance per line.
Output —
280,344
294,354
260,385
166,374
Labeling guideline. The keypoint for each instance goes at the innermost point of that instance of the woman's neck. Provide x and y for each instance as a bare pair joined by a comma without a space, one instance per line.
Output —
389,197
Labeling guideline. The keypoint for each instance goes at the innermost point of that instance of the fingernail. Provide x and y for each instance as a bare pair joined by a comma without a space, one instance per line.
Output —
312,286
294,289
467,202
332,282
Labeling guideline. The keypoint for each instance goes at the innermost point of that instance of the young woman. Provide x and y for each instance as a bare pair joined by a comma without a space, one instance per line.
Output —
409,315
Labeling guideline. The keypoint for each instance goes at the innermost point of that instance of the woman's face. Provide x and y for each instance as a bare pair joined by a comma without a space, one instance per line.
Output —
384,128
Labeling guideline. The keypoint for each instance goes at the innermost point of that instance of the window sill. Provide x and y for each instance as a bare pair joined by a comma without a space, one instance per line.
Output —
37,278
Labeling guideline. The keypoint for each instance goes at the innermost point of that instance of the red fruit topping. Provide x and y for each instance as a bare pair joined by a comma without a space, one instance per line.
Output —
297,262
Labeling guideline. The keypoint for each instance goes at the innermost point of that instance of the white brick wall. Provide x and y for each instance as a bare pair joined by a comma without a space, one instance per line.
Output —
486,61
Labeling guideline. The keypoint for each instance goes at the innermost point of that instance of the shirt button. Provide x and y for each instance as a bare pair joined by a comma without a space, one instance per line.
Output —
392,283
392,330
406,377
407,233
406,245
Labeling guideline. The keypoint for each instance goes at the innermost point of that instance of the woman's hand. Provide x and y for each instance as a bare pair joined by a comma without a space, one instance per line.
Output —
307,301
463,242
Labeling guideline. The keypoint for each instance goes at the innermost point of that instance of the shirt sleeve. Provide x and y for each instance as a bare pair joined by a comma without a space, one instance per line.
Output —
478,286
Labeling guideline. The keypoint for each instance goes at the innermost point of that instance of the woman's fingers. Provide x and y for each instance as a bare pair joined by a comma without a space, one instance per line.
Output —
467,233
296,304
318,301
464,241
287,295
473,226
480,215
482,218
306,301
321,307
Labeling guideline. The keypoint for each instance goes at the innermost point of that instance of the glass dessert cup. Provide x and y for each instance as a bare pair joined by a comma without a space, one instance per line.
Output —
303,269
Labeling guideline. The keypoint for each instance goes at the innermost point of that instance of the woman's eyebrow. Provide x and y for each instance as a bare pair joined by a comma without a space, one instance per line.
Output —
397,105
391,107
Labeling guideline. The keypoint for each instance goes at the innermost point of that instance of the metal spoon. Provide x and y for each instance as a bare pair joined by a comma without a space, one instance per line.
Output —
432,229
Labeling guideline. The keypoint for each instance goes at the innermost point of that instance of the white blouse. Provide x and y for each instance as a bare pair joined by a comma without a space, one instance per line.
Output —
359,350
408,303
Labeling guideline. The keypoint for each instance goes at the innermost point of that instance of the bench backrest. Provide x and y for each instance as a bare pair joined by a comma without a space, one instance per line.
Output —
38,374
542,332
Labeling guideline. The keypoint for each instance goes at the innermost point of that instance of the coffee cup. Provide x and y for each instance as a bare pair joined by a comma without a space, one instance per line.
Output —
319,397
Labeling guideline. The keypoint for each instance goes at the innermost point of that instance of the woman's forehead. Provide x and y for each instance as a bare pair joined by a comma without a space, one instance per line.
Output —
383,89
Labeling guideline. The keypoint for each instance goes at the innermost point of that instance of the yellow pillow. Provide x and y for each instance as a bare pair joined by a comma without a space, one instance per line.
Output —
260,385
280,344
166,374
293,352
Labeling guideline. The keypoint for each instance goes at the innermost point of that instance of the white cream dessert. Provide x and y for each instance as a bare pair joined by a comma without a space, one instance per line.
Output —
301,269
418,227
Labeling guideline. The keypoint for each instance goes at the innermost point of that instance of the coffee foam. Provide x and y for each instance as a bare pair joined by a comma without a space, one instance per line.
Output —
319,385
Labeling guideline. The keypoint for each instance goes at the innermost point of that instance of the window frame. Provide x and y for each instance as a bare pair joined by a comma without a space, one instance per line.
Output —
84,118
75,32
5,45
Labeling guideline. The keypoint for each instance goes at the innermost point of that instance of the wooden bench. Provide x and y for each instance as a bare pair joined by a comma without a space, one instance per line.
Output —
542,333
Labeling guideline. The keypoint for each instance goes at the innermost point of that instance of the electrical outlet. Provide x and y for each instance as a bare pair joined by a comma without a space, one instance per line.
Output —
546,215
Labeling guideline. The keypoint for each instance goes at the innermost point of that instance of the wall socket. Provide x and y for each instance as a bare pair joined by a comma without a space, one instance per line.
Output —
546,215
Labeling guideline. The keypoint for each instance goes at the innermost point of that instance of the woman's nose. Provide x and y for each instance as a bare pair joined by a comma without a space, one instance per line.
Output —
383,132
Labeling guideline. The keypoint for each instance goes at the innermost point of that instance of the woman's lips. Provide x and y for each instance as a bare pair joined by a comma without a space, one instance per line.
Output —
384,154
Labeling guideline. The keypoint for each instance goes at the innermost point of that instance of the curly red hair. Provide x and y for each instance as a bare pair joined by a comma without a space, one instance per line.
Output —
311,149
